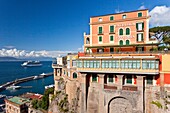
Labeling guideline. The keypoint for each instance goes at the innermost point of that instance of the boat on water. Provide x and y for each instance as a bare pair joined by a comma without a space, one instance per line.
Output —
13,87
49,86
31,63
42,74
2,96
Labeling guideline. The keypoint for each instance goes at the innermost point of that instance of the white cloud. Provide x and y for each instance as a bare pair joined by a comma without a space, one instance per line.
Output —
9,47
118,11
27,54
160,16
142,7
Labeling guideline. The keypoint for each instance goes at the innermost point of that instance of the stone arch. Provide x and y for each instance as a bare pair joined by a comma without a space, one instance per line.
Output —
119,105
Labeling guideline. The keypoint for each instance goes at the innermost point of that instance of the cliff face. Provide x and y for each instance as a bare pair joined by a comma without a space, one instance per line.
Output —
60,102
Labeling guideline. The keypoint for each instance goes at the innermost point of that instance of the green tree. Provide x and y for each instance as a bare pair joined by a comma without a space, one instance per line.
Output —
34,103
159,32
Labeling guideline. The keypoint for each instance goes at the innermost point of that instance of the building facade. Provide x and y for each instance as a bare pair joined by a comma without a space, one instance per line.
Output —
118,72
16,105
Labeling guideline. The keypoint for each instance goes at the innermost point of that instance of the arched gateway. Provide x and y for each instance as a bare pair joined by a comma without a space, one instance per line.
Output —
119,105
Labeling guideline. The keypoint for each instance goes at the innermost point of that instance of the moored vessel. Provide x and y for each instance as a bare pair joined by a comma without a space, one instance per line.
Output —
31,63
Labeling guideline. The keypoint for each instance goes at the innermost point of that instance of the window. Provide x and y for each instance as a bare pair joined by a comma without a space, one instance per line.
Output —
111,18
140,14
120,42
74,63
127,42
139,26
149,80
111,49
127,31
110,78
140,37
100,30
74,75
100,20
87,41
124,16
150,64
94,78
121,31
111,29
129,79
111,38
87,50
100,39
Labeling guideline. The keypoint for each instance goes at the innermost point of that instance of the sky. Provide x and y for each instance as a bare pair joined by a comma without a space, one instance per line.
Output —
34,28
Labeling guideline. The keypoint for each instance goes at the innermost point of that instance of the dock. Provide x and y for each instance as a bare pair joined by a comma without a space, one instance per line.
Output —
21,80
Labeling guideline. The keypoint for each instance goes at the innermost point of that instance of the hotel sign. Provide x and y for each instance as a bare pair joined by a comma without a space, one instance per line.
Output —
126,24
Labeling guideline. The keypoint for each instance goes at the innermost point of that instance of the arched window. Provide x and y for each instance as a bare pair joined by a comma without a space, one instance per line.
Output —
74,75
127,31
127,42
120,42
121,31
87,41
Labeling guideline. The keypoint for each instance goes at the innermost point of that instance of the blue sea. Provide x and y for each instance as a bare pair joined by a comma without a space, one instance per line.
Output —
10,71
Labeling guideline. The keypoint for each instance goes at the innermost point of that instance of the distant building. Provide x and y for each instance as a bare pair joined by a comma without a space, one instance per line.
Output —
119,71
16,105
32,96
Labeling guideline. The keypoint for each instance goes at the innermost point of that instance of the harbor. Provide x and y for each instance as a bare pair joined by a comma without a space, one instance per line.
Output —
21,80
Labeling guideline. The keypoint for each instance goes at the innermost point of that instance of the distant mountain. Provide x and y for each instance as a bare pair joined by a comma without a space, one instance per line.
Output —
9,59
26,59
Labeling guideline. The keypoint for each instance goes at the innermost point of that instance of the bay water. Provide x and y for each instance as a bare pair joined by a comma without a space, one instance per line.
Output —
10,71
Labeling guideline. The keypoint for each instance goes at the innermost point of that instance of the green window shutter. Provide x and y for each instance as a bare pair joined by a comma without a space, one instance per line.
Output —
100,30
111,49
127,31
129,79
136,26
111,29
139,14
111,38
127,42
110,78
137,37
74,75
120,42
94,78
111,18
142,26
142,36
120,31
100,39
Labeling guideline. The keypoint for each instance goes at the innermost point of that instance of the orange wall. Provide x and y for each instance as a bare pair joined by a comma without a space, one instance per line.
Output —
167,78
130,22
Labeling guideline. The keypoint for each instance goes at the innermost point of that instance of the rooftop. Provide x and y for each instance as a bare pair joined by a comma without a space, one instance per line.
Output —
18,100
119,13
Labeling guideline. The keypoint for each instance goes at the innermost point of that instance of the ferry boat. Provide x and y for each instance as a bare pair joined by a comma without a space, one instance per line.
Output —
31,63
13,87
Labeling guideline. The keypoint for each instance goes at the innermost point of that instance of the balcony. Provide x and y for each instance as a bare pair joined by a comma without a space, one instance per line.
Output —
130,88
56,65
109,87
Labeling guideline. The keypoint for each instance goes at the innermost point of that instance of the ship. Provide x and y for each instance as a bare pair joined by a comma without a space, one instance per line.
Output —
31,64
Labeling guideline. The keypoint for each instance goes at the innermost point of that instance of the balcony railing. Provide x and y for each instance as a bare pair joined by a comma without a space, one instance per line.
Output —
129,52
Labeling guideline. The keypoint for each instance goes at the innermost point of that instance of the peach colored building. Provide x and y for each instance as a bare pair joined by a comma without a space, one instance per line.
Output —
118,72
127,31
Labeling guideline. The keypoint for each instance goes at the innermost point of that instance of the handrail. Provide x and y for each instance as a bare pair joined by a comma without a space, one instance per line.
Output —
129,52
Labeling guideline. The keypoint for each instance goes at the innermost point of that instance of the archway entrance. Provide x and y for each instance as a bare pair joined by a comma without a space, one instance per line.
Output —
119,105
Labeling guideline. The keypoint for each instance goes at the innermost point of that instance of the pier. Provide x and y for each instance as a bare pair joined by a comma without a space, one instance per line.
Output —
21,80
